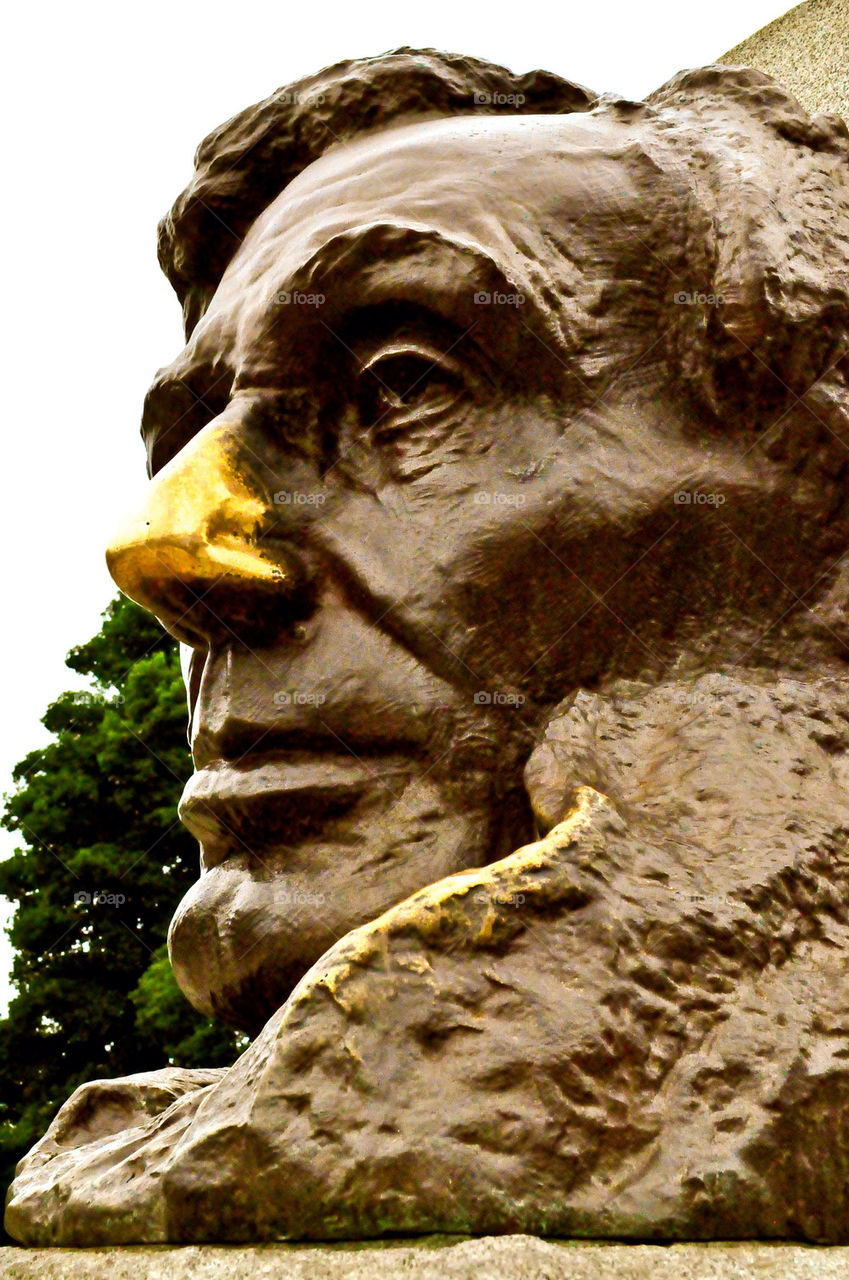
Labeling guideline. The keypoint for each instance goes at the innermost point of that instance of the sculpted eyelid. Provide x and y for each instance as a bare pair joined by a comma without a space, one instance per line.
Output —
403,347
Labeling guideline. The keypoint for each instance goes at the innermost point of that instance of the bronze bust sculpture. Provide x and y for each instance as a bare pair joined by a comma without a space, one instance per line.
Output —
499,500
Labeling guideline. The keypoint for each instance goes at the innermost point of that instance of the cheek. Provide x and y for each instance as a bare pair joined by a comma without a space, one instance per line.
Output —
537,585
511,546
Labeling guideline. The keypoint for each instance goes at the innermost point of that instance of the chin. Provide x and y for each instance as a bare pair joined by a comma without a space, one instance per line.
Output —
249,929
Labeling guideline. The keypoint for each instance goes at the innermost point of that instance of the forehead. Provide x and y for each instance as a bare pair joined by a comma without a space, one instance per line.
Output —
548,202
513,189
464,165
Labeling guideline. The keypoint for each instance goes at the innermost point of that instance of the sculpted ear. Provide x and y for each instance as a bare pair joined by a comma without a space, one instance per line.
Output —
773,184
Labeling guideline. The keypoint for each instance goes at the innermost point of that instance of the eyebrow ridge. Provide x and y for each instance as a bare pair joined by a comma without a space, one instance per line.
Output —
390,242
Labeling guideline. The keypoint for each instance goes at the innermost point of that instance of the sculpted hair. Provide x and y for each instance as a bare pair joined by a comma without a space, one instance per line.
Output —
768,254
245,163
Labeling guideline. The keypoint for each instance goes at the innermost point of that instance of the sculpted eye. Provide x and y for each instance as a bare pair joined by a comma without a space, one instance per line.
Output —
405,386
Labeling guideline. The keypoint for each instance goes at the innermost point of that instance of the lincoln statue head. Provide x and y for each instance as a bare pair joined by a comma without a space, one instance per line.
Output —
499,492
491,391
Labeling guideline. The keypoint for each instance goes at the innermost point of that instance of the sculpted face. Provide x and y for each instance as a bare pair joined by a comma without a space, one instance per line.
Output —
393,521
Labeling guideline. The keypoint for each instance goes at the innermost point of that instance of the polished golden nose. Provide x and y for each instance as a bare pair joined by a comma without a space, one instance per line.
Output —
197,533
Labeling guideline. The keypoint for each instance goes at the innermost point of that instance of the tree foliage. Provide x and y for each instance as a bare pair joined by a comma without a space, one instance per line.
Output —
100,865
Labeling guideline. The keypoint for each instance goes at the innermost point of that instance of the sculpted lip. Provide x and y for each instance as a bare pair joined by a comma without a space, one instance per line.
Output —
255,804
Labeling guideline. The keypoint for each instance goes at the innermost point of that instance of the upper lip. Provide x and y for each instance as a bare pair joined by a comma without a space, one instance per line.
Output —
242,745
230,805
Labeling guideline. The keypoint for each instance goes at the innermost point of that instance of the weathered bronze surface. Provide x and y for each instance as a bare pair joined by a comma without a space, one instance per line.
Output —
499,500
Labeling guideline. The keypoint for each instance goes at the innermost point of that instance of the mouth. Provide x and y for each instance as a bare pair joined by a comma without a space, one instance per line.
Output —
259,808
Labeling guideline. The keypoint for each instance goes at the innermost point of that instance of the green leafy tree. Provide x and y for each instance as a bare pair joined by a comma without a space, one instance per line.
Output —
101,864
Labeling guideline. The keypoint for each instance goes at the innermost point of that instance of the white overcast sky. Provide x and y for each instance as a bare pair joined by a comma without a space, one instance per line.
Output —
104,107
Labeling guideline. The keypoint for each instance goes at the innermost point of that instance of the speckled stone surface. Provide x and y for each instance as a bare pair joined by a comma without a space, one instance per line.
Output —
490,1258
807,50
